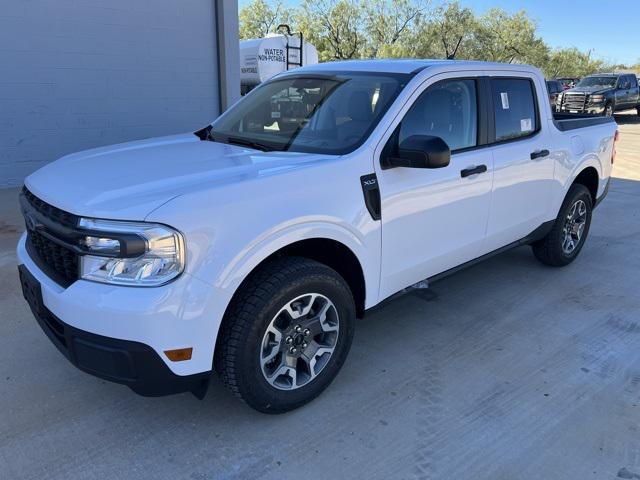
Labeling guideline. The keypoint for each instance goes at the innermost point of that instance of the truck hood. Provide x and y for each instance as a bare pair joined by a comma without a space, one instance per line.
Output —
128,181
588,90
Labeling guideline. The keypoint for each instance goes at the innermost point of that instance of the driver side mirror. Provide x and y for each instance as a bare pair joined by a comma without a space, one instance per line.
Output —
419,151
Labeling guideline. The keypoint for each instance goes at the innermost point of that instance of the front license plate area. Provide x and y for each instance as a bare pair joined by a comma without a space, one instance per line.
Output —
31,291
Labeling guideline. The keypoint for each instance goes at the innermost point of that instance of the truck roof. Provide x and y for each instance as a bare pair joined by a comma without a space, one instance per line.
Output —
406,66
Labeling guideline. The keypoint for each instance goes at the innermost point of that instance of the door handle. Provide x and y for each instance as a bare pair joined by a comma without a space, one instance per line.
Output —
539,154
473,170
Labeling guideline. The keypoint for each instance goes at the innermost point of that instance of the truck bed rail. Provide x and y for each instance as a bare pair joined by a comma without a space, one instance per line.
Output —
569,121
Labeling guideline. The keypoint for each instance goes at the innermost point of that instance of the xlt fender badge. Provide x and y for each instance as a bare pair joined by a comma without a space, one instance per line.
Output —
371,194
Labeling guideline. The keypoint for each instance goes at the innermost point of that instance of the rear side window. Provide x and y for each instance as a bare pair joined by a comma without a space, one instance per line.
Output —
515,108
447,109
632,81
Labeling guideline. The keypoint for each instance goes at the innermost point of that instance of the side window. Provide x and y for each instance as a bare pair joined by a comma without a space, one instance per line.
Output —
447,109
632,81
514,107
622,82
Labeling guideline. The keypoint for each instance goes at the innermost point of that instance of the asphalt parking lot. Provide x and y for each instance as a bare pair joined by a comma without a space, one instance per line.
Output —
508,370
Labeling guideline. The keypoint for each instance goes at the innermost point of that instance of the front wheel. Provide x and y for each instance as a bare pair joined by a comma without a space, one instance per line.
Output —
286,334
608,110
565,240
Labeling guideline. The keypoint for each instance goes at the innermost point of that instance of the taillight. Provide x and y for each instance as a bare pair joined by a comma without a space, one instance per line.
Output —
616,137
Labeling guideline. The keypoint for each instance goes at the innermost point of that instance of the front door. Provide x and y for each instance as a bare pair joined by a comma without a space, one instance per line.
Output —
435,219
634,92
623,93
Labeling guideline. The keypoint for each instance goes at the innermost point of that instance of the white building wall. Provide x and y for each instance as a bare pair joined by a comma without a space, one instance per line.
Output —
76,74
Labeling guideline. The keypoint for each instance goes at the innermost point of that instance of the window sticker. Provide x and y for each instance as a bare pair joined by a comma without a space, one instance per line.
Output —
525,125
275,114
505,100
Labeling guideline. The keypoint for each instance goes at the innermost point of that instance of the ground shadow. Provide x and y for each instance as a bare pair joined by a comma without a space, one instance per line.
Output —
627,118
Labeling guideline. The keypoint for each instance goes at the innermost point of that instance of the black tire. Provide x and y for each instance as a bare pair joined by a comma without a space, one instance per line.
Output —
250,313
609,110
550,250
638,111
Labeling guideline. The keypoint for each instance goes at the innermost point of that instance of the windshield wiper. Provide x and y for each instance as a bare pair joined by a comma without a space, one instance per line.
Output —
250,143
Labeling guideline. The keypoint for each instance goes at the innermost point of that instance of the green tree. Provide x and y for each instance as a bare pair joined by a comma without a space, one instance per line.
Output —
259,18
447,33
501,37
346,29
335,27
388,22
571,62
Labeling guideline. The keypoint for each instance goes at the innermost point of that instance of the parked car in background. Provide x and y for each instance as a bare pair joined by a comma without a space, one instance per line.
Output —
554,88
567,82
248,248
602,94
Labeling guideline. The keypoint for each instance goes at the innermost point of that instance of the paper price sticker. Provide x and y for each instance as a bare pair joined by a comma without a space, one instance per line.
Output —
505,100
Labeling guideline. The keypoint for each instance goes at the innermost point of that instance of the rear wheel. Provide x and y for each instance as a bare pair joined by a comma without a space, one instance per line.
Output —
286,334
565,240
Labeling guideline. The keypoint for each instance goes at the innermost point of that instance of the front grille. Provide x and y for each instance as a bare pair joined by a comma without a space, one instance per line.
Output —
574,101
49,211
58,258
57,261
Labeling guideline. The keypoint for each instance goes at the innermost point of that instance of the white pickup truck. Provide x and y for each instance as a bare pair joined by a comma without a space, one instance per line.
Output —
250,247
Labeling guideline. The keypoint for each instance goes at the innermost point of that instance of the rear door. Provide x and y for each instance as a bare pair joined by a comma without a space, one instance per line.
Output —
523,160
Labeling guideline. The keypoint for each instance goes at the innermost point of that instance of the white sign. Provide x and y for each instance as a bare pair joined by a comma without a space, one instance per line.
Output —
505,100
525,125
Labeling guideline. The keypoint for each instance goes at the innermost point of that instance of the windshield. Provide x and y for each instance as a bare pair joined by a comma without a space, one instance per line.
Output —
332,113
604,82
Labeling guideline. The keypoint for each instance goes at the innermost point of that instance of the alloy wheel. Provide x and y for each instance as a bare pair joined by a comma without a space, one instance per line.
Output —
574,227
299,341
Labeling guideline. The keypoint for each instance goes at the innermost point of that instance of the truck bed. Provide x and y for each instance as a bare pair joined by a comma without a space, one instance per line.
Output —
569,121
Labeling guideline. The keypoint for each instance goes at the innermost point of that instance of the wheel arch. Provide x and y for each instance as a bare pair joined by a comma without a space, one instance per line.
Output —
327,251
340,247
590,178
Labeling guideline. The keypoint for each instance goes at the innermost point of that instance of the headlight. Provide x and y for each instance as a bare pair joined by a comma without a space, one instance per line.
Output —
130,253
596,98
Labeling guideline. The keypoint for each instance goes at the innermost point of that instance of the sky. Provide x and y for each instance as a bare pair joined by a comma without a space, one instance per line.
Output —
610,29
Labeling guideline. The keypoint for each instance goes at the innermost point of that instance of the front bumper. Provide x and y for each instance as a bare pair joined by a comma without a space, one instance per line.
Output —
121,333
130,363
597,109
